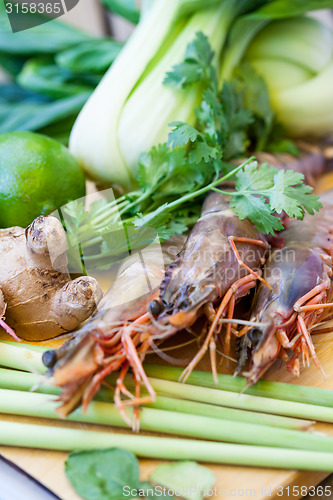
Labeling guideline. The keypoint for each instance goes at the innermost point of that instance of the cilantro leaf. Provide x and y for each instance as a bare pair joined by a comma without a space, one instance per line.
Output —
289,194
197,65
257,211
200,50
261,192
252,178
184,74
153,166
182,134
202,151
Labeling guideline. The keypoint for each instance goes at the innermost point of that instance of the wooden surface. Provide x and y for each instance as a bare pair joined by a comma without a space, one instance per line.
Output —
48,467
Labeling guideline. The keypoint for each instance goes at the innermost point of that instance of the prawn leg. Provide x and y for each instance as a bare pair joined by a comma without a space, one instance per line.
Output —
243,284
233,239
302,328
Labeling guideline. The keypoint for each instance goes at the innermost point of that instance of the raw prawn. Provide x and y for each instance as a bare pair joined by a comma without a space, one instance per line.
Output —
116,335
300,276
220,263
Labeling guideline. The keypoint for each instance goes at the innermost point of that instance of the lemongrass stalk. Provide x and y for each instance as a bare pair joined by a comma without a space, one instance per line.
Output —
307,397
167,422
58,438
242,401
32,347
222,413
20,381
21,357
263,388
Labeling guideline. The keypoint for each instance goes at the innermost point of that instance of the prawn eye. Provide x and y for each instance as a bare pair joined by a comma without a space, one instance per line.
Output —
49,358
255,336
155,307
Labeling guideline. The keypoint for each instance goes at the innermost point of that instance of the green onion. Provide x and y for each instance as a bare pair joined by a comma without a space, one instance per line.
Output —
20,381
263,388
167,422
58,438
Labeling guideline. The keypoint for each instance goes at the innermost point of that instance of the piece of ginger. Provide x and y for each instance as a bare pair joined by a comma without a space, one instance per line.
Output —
37,294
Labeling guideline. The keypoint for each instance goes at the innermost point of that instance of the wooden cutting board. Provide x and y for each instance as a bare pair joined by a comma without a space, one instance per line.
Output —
236,482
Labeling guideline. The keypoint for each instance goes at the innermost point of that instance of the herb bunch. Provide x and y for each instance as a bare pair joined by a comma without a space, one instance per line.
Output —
174,177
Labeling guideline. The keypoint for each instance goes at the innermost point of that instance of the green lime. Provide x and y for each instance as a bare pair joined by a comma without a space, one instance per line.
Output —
37,176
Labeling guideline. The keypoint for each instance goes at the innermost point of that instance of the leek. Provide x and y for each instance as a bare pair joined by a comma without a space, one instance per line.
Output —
59,438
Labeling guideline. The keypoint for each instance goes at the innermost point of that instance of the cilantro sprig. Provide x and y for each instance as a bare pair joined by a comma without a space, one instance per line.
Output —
173,178
263,194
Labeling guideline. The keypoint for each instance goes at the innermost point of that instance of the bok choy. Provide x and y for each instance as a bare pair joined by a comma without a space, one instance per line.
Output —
131,109
295,57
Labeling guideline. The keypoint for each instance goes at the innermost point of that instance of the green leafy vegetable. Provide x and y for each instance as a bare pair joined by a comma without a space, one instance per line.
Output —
34,116
95,56
47,38
173,178
185,477
197,65
102,474
44,77
124,8
113,474
56,68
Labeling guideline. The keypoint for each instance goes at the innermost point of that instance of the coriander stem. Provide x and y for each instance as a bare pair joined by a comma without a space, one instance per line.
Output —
205,189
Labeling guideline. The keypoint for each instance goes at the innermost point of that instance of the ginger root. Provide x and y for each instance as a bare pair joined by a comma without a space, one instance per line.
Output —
37,294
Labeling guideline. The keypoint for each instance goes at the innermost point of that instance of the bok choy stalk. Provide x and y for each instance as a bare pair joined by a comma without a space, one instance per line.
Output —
130,109
295,58
168,103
